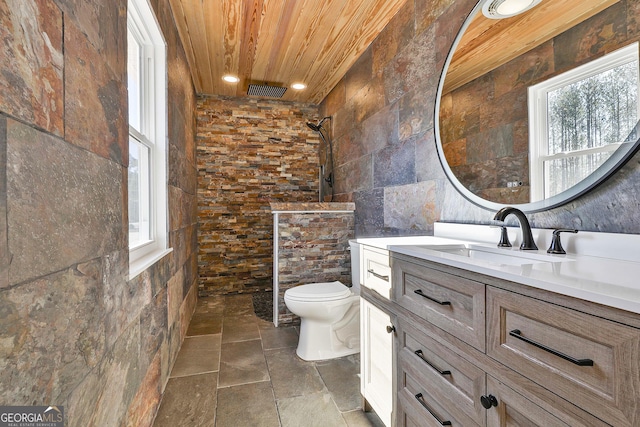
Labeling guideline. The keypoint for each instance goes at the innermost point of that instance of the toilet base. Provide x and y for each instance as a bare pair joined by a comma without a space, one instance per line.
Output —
313,356
320,341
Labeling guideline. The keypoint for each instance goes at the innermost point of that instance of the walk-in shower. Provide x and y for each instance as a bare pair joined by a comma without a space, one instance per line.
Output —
326,163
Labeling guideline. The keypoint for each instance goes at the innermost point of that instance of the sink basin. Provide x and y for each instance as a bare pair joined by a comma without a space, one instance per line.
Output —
495,255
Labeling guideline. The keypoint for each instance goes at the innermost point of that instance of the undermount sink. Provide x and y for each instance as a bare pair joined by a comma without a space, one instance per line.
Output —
500,256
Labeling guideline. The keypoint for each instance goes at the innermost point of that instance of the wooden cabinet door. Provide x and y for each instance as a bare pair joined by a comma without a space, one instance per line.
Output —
592,362
513,409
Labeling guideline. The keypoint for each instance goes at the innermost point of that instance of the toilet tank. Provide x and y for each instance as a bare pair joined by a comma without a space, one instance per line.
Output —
354,249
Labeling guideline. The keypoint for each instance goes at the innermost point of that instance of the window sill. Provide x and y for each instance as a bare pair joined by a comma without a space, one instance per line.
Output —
138,266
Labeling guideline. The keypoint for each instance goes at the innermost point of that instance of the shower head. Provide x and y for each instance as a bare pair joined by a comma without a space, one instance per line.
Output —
328,149
316,128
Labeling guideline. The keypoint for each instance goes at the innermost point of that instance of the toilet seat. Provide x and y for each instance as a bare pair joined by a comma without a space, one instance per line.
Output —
326,291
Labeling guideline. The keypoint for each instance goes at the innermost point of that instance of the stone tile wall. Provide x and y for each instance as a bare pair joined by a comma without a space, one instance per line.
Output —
74,331
313,247
383,132
250,153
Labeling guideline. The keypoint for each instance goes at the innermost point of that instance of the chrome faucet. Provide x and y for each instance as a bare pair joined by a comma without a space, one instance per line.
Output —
527,238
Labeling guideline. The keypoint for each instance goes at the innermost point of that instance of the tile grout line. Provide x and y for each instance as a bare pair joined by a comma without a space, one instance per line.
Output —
193,375
273,392
215,411
201,335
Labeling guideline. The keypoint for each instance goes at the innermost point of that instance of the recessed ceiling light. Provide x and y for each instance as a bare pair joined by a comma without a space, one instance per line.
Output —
299,86
499,9
230,79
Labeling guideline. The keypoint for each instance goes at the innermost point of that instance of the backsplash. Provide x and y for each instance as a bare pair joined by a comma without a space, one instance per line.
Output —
250,152
384,143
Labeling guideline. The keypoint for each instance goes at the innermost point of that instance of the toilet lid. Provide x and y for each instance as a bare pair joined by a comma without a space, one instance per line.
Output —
319,291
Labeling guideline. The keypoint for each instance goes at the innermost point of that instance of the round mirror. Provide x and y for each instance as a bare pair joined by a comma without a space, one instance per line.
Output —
537,108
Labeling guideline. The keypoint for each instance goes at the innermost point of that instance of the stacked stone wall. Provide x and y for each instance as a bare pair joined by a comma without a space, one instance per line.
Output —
250,153
313,247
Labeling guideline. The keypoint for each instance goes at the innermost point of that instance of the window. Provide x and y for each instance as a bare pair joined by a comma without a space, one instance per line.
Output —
579,118
147,183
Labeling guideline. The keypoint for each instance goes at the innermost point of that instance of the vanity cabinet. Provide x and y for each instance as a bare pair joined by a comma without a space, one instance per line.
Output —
496,356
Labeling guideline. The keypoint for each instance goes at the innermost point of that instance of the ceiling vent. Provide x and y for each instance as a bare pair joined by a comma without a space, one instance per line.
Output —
266,90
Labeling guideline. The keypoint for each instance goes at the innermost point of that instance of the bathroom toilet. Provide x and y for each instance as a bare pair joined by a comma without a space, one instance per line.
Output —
329,319
329,315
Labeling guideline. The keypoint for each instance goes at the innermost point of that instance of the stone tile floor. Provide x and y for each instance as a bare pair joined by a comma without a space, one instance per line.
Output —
235,370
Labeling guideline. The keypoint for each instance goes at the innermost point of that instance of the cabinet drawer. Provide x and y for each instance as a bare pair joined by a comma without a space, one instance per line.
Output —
452,381
450,302
376,272
417,404
592,362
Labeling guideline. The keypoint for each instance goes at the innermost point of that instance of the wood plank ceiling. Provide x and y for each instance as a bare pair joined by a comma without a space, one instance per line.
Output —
277,42
489,43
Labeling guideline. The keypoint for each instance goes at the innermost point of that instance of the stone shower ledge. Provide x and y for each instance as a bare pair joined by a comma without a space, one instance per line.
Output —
313,207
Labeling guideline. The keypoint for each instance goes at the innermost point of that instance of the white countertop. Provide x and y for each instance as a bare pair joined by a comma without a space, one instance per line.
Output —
607,281
388,242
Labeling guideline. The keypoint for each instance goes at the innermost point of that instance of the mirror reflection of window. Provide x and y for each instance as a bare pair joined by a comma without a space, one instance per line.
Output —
579,118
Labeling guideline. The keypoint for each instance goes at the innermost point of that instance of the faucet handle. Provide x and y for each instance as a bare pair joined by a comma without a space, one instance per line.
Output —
504,238
556,245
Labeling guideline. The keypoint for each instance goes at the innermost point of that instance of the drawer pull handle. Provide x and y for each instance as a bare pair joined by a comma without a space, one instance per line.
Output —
391,329
419,292
424,405
516,333
420,354
379,276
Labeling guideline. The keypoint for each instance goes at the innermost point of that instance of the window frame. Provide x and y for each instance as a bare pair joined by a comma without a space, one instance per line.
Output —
142,23
538,110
